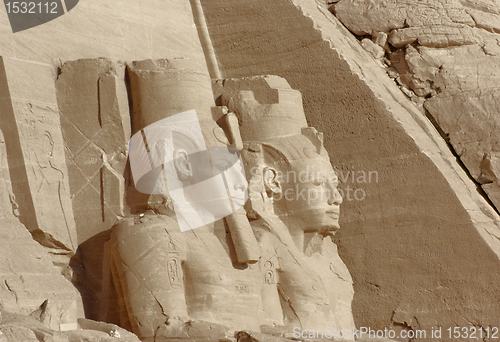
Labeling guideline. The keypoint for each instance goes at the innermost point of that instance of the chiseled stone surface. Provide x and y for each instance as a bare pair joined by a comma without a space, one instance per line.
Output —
30,120
93,103
410,237
448,52
129,30
17,328
365,17
29,282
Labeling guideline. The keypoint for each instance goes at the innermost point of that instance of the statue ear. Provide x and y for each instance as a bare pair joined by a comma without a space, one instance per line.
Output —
271,183
182,165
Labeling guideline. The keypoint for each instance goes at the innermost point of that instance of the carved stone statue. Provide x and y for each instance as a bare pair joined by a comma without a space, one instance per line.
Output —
165,277
294,203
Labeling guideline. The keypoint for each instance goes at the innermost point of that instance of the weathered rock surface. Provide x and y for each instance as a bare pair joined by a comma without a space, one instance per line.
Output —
411,235
130,31
95,120
29,118
448,52
17,328
29,282
365,17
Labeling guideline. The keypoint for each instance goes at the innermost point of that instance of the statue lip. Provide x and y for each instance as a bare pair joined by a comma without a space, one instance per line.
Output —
336,212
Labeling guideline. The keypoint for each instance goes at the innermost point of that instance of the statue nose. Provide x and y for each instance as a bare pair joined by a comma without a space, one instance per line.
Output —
240,187
335,197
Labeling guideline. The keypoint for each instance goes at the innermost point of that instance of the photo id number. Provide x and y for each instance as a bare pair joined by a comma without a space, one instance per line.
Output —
31,7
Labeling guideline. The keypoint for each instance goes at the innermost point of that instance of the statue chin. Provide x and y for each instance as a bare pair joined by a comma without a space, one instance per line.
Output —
330,222
329,226
313,220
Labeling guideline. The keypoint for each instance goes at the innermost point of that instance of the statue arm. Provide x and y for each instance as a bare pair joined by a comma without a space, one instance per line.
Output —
148,273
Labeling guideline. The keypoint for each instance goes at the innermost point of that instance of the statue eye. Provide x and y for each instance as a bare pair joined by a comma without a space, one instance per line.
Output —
318,182
303,178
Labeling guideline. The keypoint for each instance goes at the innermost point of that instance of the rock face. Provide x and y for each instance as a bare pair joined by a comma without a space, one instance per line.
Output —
30,284
417,248
34,195
91,30
448,53
123,276
20,328
30,120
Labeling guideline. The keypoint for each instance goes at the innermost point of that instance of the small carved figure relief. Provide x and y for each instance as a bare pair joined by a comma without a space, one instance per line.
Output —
49,184
7,196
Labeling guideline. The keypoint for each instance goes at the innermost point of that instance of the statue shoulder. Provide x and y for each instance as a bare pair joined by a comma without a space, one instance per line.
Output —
147,232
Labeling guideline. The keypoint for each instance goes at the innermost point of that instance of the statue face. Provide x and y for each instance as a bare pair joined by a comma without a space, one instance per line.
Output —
170,156
228,178
213,187
312,199
227,162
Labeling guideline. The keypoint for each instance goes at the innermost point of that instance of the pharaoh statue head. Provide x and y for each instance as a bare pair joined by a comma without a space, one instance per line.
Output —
293,199
187,152
177,150
289,172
